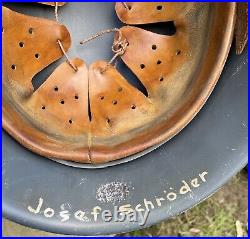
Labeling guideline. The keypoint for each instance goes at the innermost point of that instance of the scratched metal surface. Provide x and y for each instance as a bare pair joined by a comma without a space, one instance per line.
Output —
215,142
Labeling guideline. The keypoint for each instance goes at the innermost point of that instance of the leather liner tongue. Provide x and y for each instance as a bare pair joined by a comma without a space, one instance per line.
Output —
153,57
60,105
116,106
30,44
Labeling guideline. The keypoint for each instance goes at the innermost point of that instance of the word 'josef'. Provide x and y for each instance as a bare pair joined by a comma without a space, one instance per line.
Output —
120,214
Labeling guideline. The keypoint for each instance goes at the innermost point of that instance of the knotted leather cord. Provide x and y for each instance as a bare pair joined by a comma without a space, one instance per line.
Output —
118,47
122,46
60,43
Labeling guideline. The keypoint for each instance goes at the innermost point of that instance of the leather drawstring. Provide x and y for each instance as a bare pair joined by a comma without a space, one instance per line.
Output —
100,34
60,43
65,54
119,46
56,11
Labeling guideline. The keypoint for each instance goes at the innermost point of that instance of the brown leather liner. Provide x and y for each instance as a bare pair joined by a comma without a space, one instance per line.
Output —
208,72
117,129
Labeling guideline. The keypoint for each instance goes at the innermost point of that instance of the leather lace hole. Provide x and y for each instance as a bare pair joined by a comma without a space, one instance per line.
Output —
76,97
154,47
13,67
43,107
129,7
30,30
142,66
161,79
158,62
159,8
62,102
37,55
21,44
108,120
2,30
133,107
120,89
56,88
114,102
101,97
178,52
70,121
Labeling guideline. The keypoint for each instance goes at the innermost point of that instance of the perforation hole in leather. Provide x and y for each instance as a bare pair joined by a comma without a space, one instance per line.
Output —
154,47
108,120
178,52
159,8
142,66
133,107
31,30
